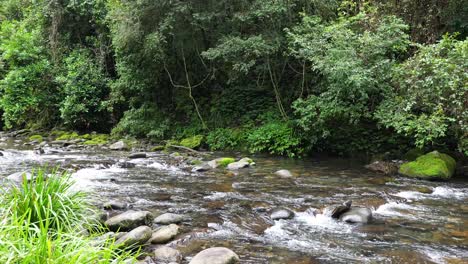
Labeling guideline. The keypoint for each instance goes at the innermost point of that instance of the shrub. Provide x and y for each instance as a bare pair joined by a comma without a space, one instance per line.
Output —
37,138
224,139
275,138
68,136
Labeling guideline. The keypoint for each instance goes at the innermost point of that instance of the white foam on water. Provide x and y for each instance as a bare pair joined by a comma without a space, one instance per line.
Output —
165,167
447,192
393,209
224,196
88,178
411,195
323,222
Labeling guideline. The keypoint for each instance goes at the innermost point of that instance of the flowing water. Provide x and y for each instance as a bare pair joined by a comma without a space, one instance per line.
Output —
414,221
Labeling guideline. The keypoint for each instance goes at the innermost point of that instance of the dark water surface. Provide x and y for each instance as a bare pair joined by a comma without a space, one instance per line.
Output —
227,209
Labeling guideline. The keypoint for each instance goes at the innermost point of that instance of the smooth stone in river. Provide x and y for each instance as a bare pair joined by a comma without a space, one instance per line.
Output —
164,234
357,215
166,254
114,205
136,237
281,213
129,220
170,218
215,255
284,174
119,145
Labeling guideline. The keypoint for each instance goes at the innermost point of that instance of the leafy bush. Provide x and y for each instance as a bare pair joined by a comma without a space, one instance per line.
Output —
432,96
275,138
146,121
85,88
225,139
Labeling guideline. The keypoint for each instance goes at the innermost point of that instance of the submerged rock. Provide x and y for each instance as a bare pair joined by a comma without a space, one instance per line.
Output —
119,145
284,174
281,213
357,215
215,255
432,166
164,234
136,237
125,165
166,255
139,155
129,220
202,167
170,218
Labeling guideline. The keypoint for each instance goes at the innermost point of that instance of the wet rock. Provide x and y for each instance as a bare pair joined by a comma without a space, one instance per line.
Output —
284,174
424,189
281,213
1,154
164,234
166,254
238,165
202,167
147,260
385,167
139,155
169,218
341,209
114,205
125,165
357,215
220,162
39,151
215,255
129,220
136,237
119,145
18,177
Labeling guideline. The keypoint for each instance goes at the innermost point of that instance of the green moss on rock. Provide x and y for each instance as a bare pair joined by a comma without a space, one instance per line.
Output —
192,142
68,136
223,162
157,148
37,138
432,166
96,139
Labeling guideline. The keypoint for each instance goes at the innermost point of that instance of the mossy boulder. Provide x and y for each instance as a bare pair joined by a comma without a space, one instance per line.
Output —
432,166
96,139
158,148
192,142
413,154
37,138
68,136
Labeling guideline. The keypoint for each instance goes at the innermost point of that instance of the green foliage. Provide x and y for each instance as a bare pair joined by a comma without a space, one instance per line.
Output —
225,139
275,138
84,88
431,166
146,121
430,103
43,222
192,142
97,139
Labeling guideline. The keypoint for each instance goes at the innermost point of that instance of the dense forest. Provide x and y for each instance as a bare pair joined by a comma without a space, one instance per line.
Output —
287,77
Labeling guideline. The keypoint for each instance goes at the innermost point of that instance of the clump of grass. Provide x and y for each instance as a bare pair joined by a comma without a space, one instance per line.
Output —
46,221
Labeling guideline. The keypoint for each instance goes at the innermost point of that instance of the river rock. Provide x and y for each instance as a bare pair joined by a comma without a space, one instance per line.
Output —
125,165
357,215
18,177
166,254
281,213
341,209
202,167
170,218
114,205
238,165
215,255
119,145
164,234
432,166
129,220
139,155
1,154
284,174
385,167
136,237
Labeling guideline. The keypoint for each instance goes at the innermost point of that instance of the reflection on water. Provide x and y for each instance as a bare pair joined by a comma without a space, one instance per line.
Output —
232,209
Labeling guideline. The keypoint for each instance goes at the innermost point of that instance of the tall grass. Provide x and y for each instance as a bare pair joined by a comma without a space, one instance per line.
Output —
45,221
